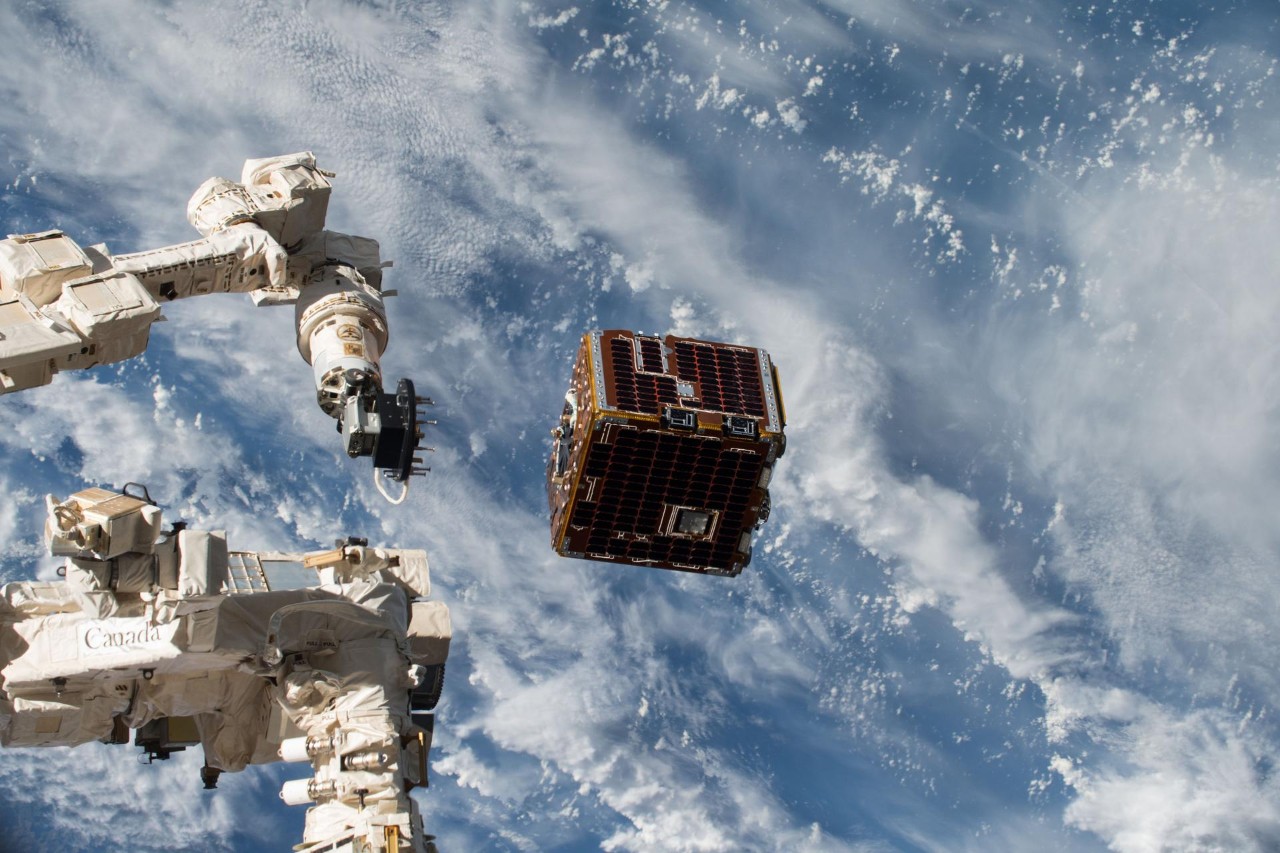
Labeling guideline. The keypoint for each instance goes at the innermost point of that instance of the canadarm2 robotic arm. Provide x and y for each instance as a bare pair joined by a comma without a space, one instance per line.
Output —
333,658
63,307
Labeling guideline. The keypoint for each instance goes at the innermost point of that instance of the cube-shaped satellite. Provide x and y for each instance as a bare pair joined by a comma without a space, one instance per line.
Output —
664,452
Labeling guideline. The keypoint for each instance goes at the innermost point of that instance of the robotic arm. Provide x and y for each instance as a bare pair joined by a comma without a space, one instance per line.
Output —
334,658
64,307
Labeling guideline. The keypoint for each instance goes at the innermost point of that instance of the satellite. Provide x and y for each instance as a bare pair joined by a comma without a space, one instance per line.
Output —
335,658
664,452
63,307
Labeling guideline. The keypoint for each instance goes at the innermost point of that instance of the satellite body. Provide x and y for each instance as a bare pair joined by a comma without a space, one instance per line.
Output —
64,307
170,634
664,452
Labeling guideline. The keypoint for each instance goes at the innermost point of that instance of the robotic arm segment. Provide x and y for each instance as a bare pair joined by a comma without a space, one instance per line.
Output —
357,667
54,298
65,308
288,196
241,258
342,331
37,265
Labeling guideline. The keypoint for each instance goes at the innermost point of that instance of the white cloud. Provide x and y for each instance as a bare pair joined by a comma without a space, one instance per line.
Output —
837,467
84,793
1190,782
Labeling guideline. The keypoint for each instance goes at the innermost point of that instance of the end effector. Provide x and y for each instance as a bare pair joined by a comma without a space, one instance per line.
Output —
342,331
335,283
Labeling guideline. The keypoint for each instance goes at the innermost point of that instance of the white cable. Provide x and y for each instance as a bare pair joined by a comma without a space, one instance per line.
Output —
404,488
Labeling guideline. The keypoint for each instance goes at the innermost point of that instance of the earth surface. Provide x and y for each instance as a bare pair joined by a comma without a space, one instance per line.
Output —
1016,263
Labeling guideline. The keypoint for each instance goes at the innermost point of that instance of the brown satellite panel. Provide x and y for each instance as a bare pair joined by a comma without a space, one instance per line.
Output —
664,452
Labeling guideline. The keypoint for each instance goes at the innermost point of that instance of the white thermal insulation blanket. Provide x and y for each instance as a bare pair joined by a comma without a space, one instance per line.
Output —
39,264
27,335
113,311
202,562
430,630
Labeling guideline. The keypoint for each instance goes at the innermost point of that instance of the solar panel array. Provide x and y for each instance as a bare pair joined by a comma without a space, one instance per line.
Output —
668,453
